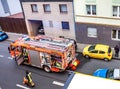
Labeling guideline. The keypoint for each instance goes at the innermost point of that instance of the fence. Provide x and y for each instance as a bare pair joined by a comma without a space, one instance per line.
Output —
15,25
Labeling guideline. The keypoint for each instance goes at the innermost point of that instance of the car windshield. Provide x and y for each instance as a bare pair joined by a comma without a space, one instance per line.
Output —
110,73
91,48
2,34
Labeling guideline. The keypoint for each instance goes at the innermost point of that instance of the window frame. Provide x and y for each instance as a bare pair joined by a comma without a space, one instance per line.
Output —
34,6
117,12
5,6
91,10
63,23
89,30
45,6
51,23
116,35
62,6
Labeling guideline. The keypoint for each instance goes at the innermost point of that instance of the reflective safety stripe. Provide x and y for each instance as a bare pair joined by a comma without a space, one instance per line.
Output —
29,76
25,58
58,65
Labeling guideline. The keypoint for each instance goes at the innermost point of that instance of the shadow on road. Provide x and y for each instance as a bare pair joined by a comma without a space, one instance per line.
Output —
82,59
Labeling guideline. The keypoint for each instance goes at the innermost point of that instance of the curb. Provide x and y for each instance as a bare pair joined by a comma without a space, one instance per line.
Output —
9,40
14,36
117,58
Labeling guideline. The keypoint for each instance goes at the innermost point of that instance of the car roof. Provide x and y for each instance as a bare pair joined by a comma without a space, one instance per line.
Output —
101,47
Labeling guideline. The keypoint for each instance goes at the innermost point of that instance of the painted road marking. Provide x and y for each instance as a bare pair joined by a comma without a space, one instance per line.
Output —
1,56
58,83
10,58
21,86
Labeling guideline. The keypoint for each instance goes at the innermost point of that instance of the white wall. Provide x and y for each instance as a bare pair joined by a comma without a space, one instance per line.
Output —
54,16
103,9
2,14
14,6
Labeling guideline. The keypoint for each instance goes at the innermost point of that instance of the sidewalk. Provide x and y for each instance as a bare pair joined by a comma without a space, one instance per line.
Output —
15,36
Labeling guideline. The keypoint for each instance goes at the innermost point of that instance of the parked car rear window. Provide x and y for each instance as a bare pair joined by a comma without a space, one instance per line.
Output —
109,50
110,73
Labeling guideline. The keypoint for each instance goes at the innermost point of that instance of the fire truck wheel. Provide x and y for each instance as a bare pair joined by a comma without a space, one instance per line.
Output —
47,69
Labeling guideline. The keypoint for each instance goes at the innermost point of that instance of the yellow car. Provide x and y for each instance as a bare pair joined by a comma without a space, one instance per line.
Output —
98,51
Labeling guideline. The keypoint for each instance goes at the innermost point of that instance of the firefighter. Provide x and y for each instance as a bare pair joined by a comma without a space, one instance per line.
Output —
25,56
28,79
58,64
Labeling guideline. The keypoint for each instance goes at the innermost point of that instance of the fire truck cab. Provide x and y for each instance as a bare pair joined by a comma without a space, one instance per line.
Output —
48,53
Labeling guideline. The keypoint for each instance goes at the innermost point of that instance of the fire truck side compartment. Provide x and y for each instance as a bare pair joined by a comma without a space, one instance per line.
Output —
35,58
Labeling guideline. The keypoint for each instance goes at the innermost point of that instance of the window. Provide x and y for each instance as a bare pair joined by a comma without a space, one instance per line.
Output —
5,6
34,8
116,11
94,51
2,34
110,73
91,9
56,24
116,34
101,52
92,32
50,23
63,8
91,48
65,25
46,8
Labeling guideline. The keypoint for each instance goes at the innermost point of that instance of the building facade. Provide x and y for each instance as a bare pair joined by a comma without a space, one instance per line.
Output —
55,17
8,7
97,21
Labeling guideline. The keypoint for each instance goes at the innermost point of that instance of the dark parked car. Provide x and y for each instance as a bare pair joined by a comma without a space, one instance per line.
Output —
3,36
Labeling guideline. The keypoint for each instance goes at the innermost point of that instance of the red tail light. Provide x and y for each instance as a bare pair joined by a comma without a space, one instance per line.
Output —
109,55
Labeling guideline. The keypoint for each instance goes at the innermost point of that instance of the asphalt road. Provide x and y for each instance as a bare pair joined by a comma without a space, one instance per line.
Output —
11,75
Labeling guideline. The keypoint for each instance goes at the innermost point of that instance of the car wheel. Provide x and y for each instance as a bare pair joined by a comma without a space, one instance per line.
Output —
106,59
86,56
47,69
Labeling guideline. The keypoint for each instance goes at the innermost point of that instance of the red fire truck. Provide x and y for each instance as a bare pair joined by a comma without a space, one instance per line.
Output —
48,53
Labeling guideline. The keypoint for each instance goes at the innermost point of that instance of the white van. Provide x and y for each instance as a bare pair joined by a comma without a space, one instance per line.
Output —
83,81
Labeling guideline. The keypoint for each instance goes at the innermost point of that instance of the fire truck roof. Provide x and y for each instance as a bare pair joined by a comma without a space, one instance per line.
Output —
60,44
